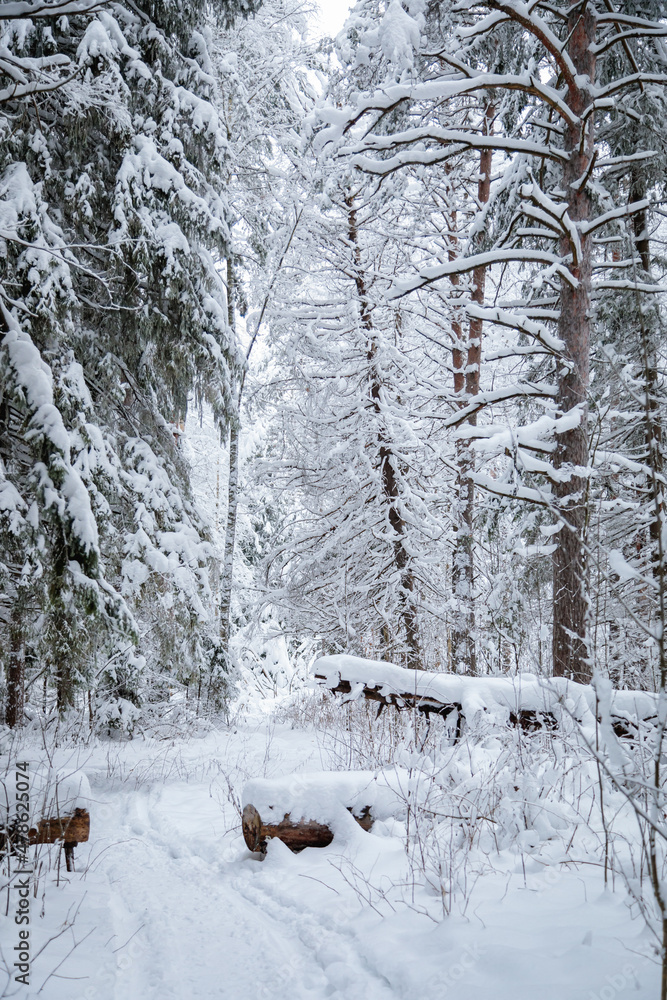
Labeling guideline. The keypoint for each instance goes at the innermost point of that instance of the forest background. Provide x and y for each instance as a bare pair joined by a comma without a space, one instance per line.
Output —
349,346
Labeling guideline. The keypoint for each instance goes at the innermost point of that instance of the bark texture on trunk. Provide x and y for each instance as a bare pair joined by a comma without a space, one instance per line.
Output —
570,649
653,431
466,384
227,577
14,715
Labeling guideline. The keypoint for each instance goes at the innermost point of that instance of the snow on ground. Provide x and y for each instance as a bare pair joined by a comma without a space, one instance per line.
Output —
168,904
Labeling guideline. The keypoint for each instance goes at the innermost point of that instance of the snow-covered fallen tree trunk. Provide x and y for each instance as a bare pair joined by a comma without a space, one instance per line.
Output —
44,805
71,829
296,834
74,829
525,700
309,810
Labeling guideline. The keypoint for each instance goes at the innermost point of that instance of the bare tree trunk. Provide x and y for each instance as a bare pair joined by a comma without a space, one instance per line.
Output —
570,650
14,715
656,837
227,578
401,560
230,536
466,384
63,663
388,476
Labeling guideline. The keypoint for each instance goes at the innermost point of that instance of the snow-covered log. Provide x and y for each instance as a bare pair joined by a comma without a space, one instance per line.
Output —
74,829
526,700
296,834
57,809
71,829
309,810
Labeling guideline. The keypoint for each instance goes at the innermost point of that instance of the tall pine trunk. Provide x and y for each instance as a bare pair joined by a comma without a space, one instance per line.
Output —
653,430
466,384
570,649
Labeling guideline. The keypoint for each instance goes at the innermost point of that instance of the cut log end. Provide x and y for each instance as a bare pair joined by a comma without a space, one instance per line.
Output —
252,829
295,835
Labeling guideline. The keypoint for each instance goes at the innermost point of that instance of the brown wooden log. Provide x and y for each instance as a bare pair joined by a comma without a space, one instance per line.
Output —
296,835
74,829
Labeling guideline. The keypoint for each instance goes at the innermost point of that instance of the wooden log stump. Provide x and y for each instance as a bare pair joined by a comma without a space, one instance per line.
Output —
72,830
295,835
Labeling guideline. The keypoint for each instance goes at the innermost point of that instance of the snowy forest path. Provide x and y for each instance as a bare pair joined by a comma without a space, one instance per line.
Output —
166,902
194,915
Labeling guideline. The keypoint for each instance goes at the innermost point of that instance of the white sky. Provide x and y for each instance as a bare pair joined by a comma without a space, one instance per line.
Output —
332,16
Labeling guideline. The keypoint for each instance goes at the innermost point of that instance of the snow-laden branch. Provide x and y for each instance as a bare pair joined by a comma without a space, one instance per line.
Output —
428,275
480,401
452,142
623,212
623,36
21,90
515,321
341,120
635,79
525,15
552,213
629,285
622,161
20,9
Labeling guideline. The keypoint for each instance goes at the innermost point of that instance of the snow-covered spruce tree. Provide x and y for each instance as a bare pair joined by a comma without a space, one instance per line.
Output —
556,211
627,361
114,212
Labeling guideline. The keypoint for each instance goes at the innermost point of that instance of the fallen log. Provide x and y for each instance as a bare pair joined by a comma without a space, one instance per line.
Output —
528,719
72,830
532,721
295,835
426,705
531,703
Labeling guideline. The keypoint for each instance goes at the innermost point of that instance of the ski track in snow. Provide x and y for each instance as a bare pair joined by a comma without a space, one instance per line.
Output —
176,908
211,931
192,914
